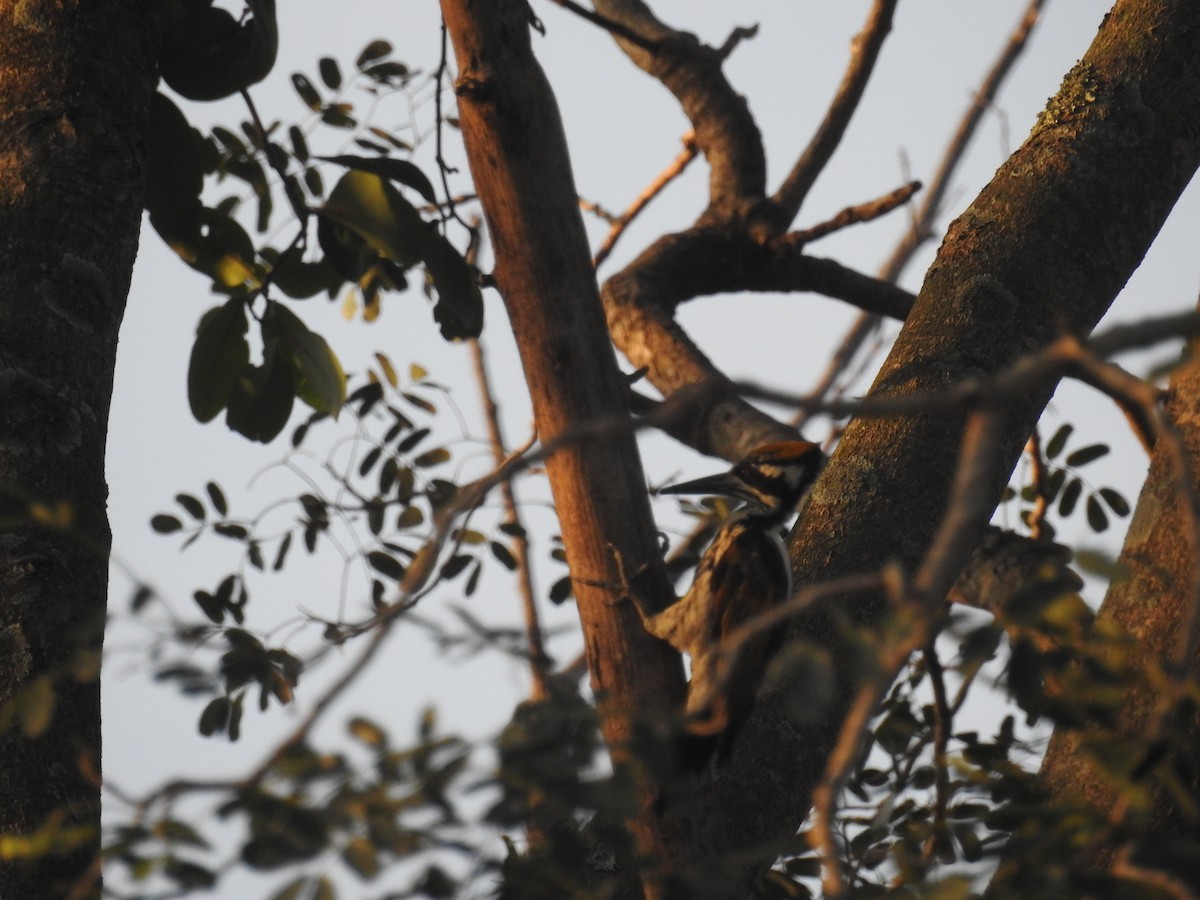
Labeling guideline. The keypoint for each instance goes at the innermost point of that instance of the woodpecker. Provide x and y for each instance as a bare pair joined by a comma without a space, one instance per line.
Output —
744,571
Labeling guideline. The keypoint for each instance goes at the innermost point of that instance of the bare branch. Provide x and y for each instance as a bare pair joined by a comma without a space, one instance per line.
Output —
725,129
616,29
922,225
1065,356
853,215
539,661
652,190
864,51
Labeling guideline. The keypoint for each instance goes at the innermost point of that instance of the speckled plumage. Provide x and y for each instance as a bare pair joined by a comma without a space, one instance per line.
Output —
743,572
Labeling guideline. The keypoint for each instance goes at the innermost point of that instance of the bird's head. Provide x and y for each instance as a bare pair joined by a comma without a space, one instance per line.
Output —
772,477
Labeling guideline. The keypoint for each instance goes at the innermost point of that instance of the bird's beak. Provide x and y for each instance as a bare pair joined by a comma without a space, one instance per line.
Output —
726,484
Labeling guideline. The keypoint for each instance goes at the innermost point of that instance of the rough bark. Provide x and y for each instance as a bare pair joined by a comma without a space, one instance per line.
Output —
1042,251
1153,600
518,158
75,82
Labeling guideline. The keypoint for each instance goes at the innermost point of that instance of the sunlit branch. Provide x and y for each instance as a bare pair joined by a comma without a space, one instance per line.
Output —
1037,475
864,52
921,229
854,215
539,661
670,173
930,206
614,28
725,130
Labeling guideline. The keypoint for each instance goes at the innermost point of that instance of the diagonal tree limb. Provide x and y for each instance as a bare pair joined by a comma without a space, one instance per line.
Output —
725,130
1069,216
927,211
545,277
864,52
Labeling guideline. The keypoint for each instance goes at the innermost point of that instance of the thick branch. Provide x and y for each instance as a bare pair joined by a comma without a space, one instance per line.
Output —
725,130
926,213
864,51
544,273
1155,602
640,304
1043,250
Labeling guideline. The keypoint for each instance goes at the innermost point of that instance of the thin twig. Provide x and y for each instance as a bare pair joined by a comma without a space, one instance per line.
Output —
864,51
930,206
848,748
1063,357
853,215
590,206
444,168
943,727
1155,879
1037,474
539,661
972,504
922,225
616,29
653,189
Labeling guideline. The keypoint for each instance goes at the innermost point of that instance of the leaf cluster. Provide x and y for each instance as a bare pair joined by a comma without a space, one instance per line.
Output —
365,234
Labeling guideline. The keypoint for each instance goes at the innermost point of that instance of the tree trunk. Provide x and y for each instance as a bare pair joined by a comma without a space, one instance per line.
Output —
519,162
74,97
1042,251
1153,599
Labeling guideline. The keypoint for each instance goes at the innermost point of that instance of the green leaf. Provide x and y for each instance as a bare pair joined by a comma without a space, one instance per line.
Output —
174,170
261,401
400,170
377,49
1055,445
1070,497
219,358
282,552
561,590
368,732
359,854
1096,516
1116,501
211,606
459,310
455,566
189,875
299,144
389,372
301,279
1054,483
215,717
193,506
217,496
1085,455
433,457
173,831
369,206
307,888
384,72
386,564
207,54
330,73
165,524
231,531
316,373
308,93
503,555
